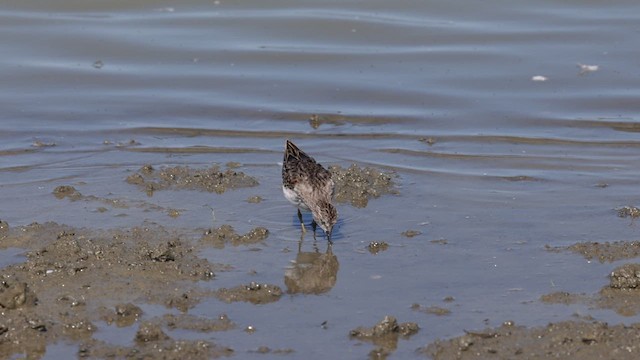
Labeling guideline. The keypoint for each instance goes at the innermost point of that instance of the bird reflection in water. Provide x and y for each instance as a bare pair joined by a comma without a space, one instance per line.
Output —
312,272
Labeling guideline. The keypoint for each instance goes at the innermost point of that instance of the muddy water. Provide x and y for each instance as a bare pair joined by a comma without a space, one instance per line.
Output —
504,127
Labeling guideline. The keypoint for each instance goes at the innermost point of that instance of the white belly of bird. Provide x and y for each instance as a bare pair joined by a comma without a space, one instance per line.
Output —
294,198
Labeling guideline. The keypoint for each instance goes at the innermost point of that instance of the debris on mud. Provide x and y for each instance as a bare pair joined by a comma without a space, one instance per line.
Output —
564,340
375,247
357,185
185,178
225,234
312,273
385,334
254,293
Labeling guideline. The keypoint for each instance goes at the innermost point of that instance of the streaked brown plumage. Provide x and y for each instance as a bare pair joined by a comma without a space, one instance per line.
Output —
308,186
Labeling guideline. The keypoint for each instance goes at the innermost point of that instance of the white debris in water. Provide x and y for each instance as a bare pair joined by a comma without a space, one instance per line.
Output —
98,64
165,9
584,68
539,78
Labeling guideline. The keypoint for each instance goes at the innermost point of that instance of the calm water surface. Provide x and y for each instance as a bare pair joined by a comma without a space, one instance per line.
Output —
196,83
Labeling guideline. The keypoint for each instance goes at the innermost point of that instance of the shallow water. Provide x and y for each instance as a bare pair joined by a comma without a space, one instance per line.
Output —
515,164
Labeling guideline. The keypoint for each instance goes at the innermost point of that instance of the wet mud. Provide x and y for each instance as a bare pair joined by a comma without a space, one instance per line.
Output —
150,179
584,339
72,194
356,185
225,234
564,340
254,293
73,281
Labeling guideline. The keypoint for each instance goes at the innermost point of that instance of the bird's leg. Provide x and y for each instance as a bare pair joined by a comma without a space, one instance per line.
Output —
301,223
314,225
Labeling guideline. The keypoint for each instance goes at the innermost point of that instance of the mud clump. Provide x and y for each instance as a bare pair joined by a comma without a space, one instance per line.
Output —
16,295
67,191
254,199
564,340
628,211
185,178
385,334
254,293
375,247
123,315
622,295
357,185
604,252
625,277
411,233
225,234
561,297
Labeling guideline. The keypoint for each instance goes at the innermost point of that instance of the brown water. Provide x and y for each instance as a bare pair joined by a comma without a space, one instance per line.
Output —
515,164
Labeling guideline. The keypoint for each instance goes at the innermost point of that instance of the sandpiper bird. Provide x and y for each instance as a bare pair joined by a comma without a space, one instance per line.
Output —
308,186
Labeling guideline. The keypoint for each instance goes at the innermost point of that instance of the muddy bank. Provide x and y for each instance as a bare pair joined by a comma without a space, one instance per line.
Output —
563,340
73,281
621,295
212,179
603,252
356,185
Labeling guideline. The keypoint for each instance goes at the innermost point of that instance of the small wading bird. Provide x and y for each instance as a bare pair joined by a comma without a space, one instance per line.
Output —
308,186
